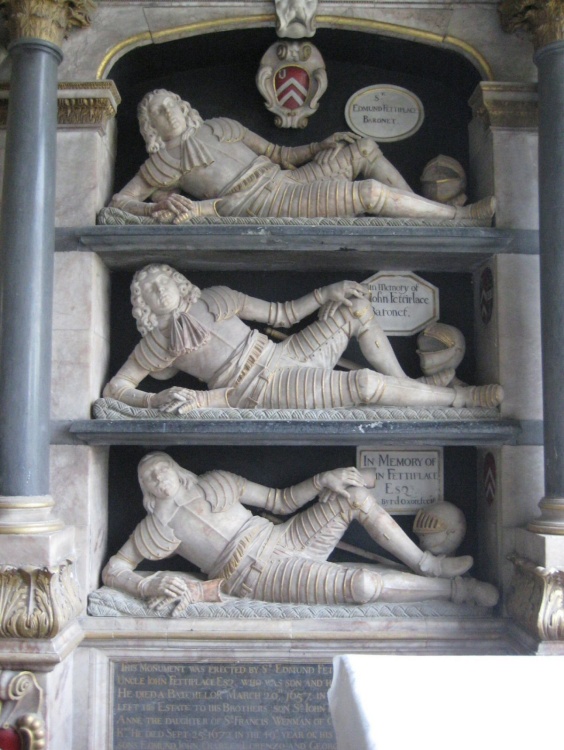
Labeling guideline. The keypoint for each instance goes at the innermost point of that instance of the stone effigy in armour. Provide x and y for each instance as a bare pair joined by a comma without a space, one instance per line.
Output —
204,520
202,333
229,171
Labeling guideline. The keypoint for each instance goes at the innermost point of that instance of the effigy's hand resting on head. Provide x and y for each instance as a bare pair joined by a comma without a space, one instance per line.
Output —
177,400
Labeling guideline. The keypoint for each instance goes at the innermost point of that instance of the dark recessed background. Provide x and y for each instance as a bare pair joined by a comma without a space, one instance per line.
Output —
216,73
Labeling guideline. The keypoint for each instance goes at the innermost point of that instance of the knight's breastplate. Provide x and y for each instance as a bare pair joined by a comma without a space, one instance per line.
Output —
230,159
206,534
226,339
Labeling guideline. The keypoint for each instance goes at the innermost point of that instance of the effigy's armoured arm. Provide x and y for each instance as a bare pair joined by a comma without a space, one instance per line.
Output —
119,572
286,156
175,400
168,206
290,499
287,314
289,157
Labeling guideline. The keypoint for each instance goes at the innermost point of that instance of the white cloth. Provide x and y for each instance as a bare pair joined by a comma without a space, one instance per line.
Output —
446,702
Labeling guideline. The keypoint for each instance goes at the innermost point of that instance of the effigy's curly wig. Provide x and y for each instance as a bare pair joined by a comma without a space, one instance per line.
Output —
153,141
187,478
145,318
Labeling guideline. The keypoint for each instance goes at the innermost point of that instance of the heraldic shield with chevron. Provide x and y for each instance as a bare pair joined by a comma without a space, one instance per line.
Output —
291,84
292,79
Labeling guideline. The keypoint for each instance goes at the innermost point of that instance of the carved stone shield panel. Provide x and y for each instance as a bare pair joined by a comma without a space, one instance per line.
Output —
292,79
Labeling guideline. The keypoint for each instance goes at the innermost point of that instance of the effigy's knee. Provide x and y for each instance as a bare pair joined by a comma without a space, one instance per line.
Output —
373,195
369,149
369,385
365,586
359,500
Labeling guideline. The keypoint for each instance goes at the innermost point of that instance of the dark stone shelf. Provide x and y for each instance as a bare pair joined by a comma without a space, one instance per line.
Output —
273,432
275,247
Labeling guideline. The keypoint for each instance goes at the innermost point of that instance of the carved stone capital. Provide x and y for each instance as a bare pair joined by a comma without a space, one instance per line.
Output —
506,105
89,104
37,602
536,599
49,20
543,19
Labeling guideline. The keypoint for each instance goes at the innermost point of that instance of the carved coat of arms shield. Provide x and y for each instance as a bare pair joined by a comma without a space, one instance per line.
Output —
292,79
292,86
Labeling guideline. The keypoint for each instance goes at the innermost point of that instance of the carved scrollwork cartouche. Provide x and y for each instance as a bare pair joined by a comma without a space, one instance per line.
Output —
21,702
48,20
543,19
536,599
37,602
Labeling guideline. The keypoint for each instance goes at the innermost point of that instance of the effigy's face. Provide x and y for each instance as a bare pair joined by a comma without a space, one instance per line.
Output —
160,293
160,479
295,19
167,116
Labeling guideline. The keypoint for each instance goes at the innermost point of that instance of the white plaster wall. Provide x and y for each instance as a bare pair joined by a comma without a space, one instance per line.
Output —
59,705
79,487
519,335
80,333
515,167
85,163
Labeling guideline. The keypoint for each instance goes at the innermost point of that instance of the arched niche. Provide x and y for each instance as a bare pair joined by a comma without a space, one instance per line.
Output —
215,72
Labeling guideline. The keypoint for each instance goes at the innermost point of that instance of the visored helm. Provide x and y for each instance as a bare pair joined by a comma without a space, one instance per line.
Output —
444,180
440,528
440,347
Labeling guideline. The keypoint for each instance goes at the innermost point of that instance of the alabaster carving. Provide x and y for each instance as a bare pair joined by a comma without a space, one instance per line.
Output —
37,602
202,333
227,170
440,528
292,79
203,519
46,19
21,702
109,408
536,599
444,180
295,19
108,602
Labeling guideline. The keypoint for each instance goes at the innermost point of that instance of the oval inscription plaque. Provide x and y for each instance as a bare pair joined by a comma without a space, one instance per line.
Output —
385,113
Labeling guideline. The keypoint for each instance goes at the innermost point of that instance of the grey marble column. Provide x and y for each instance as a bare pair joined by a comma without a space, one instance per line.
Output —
550,62
27,256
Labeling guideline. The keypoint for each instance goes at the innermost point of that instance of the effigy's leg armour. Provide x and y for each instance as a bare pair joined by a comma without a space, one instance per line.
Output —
307,200
302,581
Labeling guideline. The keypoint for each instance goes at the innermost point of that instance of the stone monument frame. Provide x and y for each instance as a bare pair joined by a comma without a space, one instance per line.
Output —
504,118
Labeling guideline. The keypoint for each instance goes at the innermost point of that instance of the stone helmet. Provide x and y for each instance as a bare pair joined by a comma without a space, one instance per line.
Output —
439,347
440,528
444,180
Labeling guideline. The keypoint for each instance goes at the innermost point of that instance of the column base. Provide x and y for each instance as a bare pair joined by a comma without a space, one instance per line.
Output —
28,515
551,520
